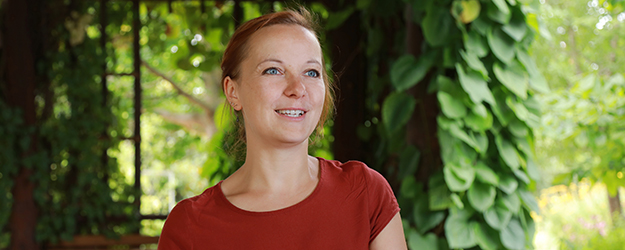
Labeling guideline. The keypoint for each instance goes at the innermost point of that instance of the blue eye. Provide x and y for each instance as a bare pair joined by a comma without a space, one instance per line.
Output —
312,73
271,71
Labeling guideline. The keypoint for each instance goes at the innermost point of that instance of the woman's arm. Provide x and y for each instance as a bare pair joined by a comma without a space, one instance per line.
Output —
391,237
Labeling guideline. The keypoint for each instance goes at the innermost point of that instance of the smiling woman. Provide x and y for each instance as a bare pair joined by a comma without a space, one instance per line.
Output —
281,197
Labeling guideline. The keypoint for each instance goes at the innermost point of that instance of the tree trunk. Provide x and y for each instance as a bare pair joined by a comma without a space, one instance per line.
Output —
349,64
615,204
422,127
20,93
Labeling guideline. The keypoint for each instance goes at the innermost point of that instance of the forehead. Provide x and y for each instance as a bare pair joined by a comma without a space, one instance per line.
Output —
284,40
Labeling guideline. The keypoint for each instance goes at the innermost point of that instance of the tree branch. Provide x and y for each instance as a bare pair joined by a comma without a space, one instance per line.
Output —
175,85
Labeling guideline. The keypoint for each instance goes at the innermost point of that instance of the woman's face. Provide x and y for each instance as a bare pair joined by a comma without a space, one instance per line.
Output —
280,88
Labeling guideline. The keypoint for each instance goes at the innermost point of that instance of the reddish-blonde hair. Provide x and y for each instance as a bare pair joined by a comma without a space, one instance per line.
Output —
238,45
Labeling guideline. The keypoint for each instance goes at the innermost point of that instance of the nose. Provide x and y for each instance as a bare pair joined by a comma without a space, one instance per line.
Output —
295,87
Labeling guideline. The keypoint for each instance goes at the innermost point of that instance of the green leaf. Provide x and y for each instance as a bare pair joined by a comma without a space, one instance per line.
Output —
458,178
516,28
536,81
513,236
428,220
408,71
512,202
499,11
475,86
410,188
184,64
532,169
482,142
502,6
457,201
445,123
616,79
497,216
485,236
451,107
486,174
439,197
480,109
508,184
519,109
424,218
503,113
585,84
437,25
336,19
481,196
425,242
459,232
501,45
462,135
479,123
474,43
507,152
396,111
523,145
518,128
521,175
513,78
529,200
474,62
438,193
409,161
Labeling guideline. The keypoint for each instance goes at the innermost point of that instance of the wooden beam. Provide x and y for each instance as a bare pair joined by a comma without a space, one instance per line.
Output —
136,48
20,75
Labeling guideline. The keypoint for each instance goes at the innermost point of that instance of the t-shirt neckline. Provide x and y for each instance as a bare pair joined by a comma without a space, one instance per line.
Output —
311,196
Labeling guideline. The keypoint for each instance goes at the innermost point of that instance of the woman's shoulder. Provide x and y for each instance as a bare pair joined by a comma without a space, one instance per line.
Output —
348,167
353,169
193,204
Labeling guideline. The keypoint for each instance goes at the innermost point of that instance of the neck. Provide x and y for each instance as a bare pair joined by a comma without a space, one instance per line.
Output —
278,168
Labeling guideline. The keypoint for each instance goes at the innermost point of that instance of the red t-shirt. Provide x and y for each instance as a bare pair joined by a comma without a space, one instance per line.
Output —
349,207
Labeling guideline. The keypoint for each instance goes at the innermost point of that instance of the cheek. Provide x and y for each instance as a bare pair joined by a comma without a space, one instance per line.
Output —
260,93
319,94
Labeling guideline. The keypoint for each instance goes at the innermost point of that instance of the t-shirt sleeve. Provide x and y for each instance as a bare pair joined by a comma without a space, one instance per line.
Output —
175,234
382,203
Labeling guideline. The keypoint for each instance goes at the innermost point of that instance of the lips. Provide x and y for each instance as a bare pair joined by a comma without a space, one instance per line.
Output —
291,112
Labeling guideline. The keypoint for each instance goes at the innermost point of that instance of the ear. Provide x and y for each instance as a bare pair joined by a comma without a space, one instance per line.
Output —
232,95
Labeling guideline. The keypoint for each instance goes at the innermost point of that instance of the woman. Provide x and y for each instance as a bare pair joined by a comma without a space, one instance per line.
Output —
282,198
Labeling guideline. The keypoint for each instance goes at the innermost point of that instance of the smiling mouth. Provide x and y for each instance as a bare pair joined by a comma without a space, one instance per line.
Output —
291,113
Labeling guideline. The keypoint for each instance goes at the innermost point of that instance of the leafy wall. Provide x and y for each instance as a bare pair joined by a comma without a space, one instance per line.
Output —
471,58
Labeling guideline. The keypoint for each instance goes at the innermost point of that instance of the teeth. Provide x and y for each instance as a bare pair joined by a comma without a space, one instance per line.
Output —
291,113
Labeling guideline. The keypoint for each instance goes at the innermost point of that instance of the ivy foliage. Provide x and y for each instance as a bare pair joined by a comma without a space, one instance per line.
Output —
79,188
14,140
474,58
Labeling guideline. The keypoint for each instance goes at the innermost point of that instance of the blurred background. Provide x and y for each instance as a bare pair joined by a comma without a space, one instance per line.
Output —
500,124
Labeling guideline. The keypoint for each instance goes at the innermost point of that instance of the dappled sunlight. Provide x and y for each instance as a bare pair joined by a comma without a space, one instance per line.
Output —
570,216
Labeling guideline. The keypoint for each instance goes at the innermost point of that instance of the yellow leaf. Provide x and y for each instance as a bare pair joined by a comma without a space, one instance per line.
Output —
470,10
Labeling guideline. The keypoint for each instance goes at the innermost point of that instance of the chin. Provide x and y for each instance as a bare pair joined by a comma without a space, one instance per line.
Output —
294,139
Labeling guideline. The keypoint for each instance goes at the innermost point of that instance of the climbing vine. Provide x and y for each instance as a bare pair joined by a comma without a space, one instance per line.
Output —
473,57
72,169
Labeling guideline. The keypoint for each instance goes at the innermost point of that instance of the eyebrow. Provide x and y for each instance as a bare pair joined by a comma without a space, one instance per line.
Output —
312,61
270,60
